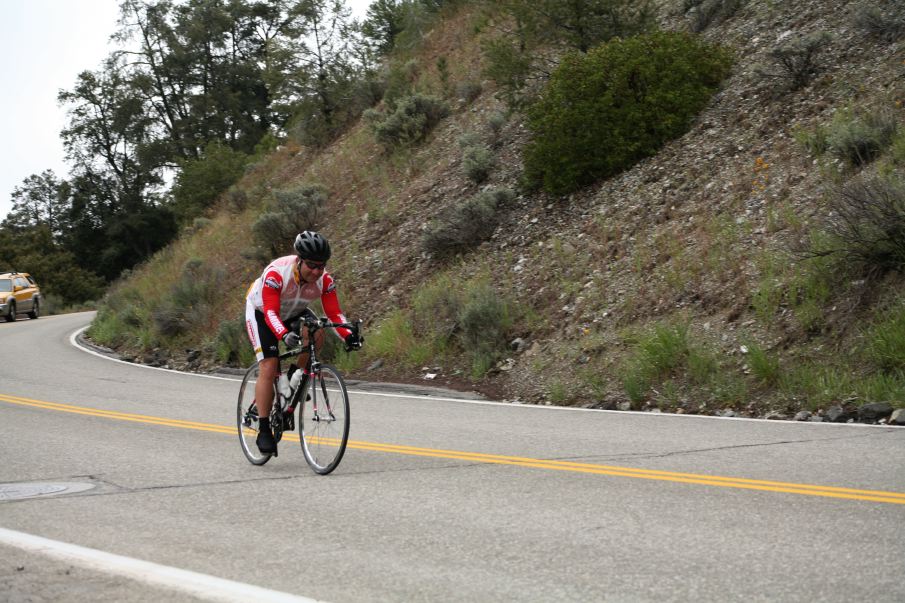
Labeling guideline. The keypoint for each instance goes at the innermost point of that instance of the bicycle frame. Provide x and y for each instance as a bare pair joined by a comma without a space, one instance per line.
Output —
311,367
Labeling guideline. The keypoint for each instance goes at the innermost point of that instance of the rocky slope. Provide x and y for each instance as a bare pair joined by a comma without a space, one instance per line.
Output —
691,236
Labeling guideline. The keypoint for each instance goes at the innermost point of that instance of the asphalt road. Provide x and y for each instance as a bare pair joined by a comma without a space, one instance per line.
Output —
436,499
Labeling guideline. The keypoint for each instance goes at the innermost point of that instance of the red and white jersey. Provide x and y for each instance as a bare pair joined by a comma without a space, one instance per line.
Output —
280,295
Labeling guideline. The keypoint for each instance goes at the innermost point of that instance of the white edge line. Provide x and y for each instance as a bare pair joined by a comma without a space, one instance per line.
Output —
206,587
74,341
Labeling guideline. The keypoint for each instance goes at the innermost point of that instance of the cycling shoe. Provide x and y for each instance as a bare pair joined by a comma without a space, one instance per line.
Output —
266,443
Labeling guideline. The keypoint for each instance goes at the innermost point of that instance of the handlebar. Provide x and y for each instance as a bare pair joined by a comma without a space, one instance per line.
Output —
313,324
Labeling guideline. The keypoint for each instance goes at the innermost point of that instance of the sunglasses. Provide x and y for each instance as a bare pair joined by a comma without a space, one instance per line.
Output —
314,265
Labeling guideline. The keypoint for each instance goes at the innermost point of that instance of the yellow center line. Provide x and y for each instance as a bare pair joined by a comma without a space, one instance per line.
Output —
496,459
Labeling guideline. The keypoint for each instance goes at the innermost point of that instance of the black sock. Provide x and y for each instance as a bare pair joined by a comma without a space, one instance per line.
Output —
264,424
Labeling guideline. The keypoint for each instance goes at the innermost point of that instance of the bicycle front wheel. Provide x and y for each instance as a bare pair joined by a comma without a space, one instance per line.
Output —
324,420
247,418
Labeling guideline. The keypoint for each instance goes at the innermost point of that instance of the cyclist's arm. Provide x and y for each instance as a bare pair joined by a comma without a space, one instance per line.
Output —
330,302
270,294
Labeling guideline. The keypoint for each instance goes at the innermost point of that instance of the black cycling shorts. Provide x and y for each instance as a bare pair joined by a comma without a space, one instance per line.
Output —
262,338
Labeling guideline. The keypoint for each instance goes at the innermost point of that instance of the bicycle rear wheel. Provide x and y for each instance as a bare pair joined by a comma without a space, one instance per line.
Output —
324,420
247,418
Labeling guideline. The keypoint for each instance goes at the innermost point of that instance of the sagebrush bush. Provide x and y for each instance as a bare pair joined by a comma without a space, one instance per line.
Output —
859,139
468,90
485,317
291,211
236,199
231,344
121,312
192,299
604,111
867,221
795,62
886,24
496,121
470,317
461,228
477,162
435,310
411,120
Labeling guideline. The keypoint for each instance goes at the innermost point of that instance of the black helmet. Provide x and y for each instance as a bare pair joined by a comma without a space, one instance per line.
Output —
312,246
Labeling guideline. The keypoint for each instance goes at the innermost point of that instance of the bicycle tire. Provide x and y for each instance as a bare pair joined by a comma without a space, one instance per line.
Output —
247,418
324,420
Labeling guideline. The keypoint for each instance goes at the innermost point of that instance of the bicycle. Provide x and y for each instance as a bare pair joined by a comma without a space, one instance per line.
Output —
321,397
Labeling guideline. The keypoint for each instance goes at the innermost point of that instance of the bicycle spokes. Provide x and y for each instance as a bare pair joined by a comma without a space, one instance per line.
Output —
247,418
324,420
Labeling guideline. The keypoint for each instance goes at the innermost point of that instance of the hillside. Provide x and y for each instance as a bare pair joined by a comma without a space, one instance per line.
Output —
679,285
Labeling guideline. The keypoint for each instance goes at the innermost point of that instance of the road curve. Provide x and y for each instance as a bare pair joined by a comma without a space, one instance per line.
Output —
439,500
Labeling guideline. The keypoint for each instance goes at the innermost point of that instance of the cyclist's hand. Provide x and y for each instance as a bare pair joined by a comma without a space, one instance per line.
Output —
291,339
353,342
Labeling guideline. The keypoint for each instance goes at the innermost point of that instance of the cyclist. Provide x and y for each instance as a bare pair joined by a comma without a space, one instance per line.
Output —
280,295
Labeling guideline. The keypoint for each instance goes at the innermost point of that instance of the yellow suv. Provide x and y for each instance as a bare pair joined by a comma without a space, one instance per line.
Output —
19,294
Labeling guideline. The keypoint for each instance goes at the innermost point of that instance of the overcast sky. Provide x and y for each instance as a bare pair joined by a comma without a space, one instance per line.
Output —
44,45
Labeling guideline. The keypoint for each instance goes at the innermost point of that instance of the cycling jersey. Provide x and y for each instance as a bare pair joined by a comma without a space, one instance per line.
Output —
280,295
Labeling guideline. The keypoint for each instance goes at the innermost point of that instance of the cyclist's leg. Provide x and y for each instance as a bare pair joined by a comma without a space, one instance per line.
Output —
268,368
267,351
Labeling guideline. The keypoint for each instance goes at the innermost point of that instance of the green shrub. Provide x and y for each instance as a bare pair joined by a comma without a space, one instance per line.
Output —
477,162
887,25
318,119
400,81
292,211
814,141
231,344
392,337
606,110
859,139
796,61
867,221
191,302
485,318
201,181
108,329
496,121
463,227
412,119
542,31
468,90
435,310
470,319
